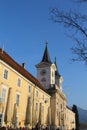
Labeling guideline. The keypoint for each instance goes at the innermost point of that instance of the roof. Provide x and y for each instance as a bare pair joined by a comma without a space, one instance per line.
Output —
8,60
46,56
57,72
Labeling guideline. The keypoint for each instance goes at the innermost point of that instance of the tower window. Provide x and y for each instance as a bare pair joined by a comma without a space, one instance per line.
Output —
43,72
43,80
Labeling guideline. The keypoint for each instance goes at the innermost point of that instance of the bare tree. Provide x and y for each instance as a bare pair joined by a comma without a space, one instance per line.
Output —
82,0
77,25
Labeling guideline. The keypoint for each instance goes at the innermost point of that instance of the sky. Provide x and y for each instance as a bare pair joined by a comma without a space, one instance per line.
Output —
25,26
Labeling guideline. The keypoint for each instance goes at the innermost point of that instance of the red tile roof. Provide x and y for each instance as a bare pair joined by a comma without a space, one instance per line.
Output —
7,59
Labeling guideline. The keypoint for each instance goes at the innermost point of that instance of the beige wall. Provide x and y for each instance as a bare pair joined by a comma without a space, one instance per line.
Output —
42,98
58,108
70,117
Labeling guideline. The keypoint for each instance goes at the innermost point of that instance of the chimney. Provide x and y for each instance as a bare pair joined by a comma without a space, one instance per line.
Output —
24,65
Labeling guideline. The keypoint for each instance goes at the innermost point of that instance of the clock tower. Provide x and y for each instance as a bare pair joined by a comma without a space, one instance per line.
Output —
46,70
48,75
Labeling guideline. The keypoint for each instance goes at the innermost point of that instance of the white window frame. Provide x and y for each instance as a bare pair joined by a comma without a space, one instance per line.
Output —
42,108
43,97
29,88
18,98
6,73
37,93
37,106
4,94
19,82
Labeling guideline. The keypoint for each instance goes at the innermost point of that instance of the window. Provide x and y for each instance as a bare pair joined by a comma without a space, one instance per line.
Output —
36,93
43,97
19,82
17,99
16,121
29,89
6,74
61,106
36,106
43,80
3,98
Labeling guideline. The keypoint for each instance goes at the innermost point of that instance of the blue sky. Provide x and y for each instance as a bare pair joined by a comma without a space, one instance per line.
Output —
24,29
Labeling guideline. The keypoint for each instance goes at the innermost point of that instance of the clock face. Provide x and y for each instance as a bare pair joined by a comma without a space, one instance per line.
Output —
43,72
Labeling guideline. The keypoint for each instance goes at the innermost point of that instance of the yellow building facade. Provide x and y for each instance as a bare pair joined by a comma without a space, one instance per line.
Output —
70,117
26,101
23,100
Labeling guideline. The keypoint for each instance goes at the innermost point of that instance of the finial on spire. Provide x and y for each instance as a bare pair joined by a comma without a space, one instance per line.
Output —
46,42
55,60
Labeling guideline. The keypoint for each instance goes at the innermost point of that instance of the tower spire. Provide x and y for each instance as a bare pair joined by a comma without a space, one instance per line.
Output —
46,56
56,72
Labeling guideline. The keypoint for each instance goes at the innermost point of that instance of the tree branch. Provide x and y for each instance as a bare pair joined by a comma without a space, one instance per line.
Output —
78,24
72,20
